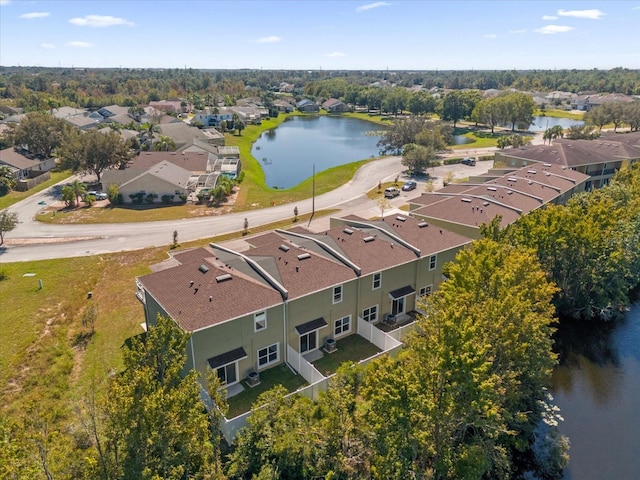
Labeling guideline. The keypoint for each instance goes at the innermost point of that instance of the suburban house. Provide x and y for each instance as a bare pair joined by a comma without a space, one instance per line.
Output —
163,182
464,207
116,114
333,105
283,106
78,117
212,117
184,134
25,166
307,106
168,106
600,159
587,102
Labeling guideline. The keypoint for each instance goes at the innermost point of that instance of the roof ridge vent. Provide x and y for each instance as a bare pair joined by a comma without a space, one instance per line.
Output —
533,172
284,248
493,189
423,224
368,239
203,268
223,278
348,231
304,256
401,218
467,200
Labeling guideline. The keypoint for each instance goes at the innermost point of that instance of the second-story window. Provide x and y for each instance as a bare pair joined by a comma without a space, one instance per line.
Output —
433,262
260,321
377,280
337,294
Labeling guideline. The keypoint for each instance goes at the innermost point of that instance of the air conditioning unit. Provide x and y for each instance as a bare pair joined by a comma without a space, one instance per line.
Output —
330,345
253,379
390,319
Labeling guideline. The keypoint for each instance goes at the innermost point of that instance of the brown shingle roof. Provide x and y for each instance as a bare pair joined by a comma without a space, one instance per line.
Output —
213,297
190,161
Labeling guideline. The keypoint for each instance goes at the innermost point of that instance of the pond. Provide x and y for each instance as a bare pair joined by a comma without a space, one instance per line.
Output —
540,124
597,387
288,153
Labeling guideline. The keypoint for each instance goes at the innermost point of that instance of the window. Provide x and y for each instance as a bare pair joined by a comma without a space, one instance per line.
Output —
309,341
337,294
370,314
269,355
424,291
342,326
433,261
377,280
260,321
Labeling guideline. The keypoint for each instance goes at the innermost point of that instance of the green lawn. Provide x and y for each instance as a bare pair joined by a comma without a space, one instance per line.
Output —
280,375
557,113
352,348
14,197
480,138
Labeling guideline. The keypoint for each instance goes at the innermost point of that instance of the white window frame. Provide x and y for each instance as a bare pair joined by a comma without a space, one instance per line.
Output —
235,366
315,333
433,262
266,354
260,321
339,326
337,294
426,290
372,316
376,279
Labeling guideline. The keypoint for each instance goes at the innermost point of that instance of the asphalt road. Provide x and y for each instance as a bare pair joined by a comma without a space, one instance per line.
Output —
32,240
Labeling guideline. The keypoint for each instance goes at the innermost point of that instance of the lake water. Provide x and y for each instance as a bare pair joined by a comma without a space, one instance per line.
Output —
287,153
540,124
597,387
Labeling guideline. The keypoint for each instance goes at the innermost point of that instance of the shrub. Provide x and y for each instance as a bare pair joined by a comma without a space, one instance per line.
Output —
149,198
136,198
167,198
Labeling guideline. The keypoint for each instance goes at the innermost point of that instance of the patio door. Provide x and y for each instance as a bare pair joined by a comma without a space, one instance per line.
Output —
228,374
397,306
309,341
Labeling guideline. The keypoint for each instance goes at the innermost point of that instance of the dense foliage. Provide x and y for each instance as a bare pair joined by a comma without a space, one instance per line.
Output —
589,247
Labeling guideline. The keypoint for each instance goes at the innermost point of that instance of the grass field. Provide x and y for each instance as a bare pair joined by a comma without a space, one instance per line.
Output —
14,197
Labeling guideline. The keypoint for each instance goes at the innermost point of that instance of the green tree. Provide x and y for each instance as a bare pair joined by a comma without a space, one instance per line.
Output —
417,158
41,133
519,109
8,221
401,132
157,425
94,152
491,112
164,144
7,181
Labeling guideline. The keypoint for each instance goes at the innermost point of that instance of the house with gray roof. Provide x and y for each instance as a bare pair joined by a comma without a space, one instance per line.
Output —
23,165
308,106
162,182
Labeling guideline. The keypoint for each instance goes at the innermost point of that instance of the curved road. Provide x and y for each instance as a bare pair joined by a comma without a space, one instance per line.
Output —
32,240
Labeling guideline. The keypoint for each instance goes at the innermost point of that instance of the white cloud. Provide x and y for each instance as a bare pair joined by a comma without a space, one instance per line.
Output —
549,17
335,54
47,45
552,29
269,39
517,31
371,6
79,44
5,2
490,35
100,21
31,15
593,14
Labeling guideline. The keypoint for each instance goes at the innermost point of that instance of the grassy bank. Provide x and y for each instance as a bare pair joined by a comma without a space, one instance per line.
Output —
14,197
556,113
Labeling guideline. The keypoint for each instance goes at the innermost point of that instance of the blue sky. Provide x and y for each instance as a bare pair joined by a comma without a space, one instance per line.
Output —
306,34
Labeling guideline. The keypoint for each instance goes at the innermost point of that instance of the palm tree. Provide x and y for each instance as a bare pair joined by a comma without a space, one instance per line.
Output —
164,144
79,189
146,134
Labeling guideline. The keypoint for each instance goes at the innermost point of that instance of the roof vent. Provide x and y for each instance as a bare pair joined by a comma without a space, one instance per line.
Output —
401,218
304,256
493,189
369,239
486,204
284,248
509,192
223,278
348,231
548,174
533,172
546,164
203,268
423,224
468,200
512,179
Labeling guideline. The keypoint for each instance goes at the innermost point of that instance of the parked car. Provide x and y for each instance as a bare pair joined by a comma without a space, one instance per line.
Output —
410,185
97,195
391,192
469,161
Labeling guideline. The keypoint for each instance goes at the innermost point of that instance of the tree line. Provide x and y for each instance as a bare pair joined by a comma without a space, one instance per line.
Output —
36,89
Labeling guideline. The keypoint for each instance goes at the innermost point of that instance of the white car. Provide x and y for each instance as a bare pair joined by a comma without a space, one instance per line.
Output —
97,195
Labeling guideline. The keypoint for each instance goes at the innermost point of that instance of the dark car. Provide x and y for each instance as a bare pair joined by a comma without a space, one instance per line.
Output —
469,161
411,185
